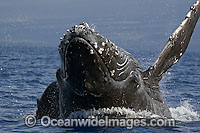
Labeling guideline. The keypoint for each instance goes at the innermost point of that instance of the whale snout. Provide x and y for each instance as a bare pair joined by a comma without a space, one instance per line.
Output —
84,67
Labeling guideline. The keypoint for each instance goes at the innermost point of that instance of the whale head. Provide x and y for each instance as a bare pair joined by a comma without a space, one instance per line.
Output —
91,62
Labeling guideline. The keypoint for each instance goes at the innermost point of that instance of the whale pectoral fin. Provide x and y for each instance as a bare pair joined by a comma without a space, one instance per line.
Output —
176,45
48,104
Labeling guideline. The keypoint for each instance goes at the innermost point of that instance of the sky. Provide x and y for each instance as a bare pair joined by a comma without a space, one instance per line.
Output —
128,23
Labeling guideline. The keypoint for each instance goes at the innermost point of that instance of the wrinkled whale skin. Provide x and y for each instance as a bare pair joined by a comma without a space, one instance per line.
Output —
95,73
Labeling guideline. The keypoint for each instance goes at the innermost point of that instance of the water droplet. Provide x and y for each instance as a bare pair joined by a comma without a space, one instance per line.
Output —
86,25
92,30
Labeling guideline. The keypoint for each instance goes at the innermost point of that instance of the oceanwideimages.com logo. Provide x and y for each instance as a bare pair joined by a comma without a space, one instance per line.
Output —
129,123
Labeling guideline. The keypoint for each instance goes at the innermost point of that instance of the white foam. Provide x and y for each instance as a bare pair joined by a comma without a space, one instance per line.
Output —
114,112
185,112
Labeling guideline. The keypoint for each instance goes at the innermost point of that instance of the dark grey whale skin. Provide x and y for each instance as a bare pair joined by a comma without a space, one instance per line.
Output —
95,73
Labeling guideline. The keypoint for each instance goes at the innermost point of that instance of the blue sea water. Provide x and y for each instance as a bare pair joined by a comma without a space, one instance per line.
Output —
25,72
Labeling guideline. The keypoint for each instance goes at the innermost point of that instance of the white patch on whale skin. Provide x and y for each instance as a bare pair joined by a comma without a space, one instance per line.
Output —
124,70
91,51
123,62
107,50
110,59
92,30
95,45
121,73
103,44
184,22
131,72
112,72
189,14
176,60
121,68
100,50
117,52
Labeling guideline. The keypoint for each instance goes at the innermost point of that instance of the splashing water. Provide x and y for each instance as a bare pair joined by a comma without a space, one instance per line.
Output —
185,112
113,112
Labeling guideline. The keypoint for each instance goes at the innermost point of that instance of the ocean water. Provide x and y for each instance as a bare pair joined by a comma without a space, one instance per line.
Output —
25,72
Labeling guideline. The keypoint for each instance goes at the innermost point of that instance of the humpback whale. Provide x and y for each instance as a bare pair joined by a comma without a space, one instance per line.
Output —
95,73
